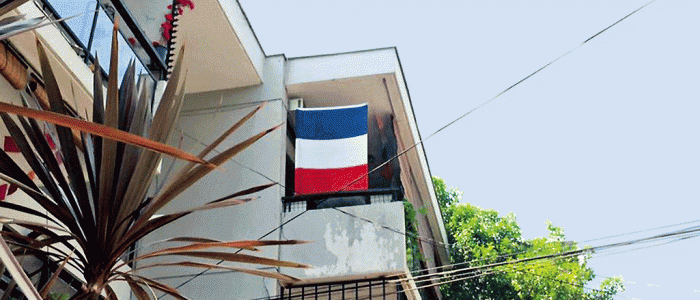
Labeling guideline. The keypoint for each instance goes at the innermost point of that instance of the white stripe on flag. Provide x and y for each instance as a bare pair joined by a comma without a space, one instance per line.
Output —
331,154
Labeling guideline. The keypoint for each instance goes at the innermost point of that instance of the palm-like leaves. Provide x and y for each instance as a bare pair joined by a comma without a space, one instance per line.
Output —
96,204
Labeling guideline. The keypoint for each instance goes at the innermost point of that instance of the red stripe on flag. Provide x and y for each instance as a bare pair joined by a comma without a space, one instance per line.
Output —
10,146
316,181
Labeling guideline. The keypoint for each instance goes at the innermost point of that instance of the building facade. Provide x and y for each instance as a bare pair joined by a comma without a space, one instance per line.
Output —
358,248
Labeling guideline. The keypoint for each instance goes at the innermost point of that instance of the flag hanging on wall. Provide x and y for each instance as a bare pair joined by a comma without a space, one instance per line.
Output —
331,149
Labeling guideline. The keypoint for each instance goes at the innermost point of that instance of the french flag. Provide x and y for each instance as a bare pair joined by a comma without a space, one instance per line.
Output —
331,149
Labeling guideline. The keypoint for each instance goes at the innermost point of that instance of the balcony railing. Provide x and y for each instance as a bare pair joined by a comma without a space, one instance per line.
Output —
385,288
350,240
340,199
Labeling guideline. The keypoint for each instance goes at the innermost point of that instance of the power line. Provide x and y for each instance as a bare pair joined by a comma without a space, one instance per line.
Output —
411,234
370,285
645,247
479,271
398,231
683,233
432,241
441,129
218,109
689,232
640,231
450,279
238,163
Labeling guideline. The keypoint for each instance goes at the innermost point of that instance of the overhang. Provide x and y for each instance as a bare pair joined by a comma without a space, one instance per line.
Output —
374,77
221,49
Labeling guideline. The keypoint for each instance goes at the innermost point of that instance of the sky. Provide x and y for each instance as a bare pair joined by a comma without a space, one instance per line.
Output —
602,142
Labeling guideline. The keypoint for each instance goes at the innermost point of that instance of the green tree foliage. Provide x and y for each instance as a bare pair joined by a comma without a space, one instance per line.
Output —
413,256
482,237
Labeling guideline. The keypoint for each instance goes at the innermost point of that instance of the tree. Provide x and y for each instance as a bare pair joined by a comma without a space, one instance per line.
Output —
481,237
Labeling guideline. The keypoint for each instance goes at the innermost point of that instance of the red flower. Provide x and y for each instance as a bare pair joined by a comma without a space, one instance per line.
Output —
187,3
132,41
169,17
156,43
167,26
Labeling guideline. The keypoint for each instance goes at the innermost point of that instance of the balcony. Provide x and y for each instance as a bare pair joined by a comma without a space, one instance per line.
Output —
340,199
350,235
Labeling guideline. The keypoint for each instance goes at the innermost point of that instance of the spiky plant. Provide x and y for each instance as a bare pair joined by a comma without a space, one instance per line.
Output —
97,204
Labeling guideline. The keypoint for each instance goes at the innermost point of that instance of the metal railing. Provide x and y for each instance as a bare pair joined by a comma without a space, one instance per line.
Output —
372,289
340,199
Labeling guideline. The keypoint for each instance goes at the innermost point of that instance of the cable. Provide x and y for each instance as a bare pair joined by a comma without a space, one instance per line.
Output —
468,273
539,259
655,245
424,239
238,163
683,233
441,129
525,251
417,236
639,231
213,110
568,283
330,290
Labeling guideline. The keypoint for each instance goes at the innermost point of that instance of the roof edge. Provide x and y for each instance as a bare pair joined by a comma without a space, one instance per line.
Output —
343,53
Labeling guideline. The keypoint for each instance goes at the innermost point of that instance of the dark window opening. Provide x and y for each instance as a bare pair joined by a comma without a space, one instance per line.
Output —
289,177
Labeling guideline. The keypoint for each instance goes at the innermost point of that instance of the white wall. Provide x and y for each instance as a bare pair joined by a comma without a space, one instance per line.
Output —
249,221
343,65
343,246
245,33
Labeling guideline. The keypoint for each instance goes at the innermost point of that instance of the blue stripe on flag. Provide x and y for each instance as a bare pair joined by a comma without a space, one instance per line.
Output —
331,123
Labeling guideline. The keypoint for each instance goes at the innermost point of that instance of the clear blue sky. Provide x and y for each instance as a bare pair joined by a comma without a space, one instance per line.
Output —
603,142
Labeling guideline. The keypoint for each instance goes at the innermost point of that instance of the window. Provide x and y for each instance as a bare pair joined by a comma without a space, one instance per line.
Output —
91,32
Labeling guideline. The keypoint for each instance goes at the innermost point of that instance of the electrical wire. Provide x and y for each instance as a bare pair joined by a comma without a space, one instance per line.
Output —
218,109
640,231
451,279
683,233
427,239
441,129
185,134
468,272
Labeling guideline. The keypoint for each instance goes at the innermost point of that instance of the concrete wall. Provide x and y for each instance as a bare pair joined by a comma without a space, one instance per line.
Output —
344,246
245,33
205,116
